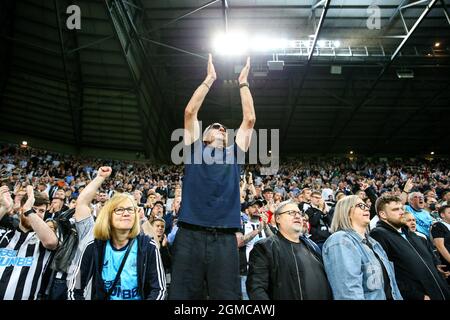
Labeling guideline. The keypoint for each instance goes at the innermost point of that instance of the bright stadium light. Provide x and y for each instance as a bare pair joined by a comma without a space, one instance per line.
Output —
321,43
231,43
336,43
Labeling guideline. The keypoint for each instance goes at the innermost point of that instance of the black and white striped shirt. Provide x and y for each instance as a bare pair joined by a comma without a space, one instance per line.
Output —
23,260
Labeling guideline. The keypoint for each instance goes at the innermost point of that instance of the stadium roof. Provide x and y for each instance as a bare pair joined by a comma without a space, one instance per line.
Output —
122,81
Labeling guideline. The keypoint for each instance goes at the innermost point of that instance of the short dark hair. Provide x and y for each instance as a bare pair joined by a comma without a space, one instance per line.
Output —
40,198
385,199
443,208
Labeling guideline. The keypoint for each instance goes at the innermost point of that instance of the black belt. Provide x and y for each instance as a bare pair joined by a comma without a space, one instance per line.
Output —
195,227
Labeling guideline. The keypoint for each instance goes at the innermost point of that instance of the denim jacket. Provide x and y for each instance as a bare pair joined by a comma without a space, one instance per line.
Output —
353,270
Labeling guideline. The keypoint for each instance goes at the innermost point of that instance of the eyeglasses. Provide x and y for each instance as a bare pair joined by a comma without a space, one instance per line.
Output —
217,126
121,211
35,209
362,206
293,213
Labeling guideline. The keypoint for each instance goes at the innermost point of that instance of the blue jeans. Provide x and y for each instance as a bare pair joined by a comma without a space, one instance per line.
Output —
244,288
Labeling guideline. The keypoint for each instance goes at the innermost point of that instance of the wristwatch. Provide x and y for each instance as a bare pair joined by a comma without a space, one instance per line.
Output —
27,213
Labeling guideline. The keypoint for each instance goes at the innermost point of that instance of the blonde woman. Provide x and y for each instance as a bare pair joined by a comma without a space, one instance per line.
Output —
357,267
121,262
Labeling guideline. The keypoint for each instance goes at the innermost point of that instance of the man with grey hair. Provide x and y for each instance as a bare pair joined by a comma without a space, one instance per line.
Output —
416,205
205,250
285,266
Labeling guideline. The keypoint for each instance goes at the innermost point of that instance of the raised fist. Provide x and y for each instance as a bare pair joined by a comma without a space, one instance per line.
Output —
104,172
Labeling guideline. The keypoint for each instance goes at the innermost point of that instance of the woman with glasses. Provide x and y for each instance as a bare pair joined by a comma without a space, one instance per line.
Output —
286,266
356,265
121,262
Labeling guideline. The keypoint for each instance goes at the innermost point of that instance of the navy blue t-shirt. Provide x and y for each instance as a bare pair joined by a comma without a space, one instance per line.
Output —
210,194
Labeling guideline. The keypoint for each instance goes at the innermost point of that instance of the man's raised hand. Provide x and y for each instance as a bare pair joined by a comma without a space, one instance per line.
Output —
5,198
30,201
211,71
244,72
408,185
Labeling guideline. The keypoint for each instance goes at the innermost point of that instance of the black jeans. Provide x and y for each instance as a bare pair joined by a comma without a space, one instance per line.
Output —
58,290
205,264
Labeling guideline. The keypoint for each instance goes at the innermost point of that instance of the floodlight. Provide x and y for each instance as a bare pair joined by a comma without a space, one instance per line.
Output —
231,43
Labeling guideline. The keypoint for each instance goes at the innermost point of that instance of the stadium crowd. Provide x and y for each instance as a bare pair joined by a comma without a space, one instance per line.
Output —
324,229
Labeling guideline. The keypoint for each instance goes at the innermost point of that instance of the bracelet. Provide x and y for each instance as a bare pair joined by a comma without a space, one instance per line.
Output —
405,191
244,84
206,85
27,213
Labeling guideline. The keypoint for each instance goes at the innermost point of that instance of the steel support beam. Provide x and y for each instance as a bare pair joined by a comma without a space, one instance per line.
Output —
74,113
129,52
182,16
290,112
164,115
90,44
414,27
173,48
419,111
364,100
444,7
224,15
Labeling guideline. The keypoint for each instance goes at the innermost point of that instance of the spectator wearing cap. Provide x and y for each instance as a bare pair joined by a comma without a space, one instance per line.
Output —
285,266
255,229
319,220
356,265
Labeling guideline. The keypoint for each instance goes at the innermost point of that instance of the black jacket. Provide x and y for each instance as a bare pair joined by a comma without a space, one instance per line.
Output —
414,265
372,195
271,274
150,271
320,225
